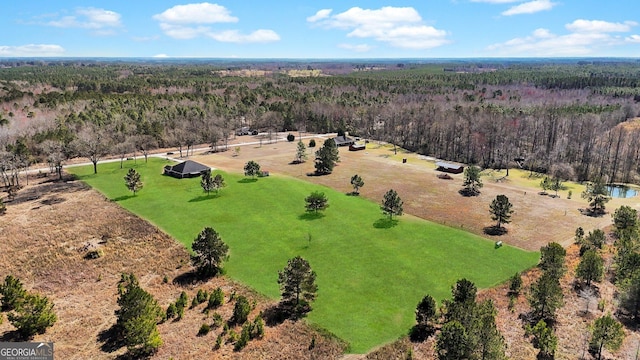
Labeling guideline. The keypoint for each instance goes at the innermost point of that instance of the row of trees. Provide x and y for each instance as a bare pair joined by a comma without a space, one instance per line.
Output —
468,327
391,203
468,331
511,116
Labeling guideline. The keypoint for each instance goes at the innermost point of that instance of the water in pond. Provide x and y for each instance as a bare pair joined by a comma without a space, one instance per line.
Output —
619,191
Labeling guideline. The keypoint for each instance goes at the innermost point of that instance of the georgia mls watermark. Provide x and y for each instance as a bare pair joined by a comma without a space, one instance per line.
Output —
26,351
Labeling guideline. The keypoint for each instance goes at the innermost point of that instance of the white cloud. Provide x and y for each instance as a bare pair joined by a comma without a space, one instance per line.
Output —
585,37
160,56
233,36
356,48
542,33
32,50
203,13
196,20
184,32
385,17
530,7
597,26
397,26
145,38
101,21
321,14
633,39
99,18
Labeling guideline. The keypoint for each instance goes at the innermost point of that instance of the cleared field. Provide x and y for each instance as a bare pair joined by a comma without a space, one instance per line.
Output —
371,273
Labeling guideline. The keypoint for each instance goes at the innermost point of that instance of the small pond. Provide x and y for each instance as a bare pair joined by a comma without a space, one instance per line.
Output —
621,191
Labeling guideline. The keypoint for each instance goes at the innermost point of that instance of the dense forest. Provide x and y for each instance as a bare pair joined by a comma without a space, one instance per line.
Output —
576,118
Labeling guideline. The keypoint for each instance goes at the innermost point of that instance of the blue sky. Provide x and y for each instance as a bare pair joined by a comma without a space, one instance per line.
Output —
320,28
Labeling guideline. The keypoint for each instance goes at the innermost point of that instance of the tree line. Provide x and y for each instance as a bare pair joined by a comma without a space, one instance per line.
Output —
536,116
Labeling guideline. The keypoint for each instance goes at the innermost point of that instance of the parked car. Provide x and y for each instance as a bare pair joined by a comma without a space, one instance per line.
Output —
246,131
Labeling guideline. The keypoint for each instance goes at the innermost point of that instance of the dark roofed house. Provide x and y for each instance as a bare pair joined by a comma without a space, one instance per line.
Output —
186,169
343,140
449,167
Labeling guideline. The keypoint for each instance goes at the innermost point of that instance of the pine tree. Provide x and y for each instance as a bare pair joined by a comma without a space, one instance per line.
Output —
357,183
552,260
297,285
452,342
12,293
132,180
33,315
630,296
501,210
597,195
625,219
258,326
472,182
326,157
486,340
591,267
425,311
544,339
216,299
545,297
606,332
206,181
252,168
137,317
241,310
301,153
316,201
391,204
515,284
218,183
209,251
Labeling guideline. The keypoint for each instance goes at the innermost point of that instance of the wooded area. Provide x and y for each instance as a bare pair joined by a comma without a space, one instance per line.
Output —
574,117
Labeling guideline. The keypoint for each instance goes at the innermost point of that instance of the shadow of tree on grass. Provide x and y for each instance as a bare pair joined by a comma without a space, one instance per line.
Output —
309,216
204,197
123,197
385,223
247,180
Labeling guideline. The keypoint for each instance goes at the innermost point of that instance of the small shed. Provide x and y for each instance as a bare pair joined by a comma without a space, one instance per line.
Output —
343,140
186,169
449,167
357,147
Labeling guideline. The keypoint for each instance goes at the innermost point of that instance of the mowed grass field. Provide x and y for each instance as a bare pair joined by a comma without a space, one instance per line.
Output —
370,275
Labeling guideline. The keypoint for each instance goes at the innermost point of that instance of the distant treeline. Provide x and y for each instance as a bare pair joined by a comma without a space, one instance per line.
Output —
549,114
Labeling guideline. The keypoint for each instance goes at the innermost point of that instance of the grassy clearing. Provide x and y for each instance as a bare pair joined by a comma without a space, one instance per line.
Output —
525,178
371,274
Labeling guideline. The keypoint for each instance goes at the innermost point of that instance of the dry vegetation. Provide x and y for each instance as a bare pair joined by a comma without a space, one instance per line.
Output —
537,220
49,228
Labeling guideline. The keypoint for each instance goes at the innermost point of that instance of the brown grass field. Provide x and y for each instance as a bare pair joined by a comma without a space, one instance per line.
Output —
49,226
45,234
537,220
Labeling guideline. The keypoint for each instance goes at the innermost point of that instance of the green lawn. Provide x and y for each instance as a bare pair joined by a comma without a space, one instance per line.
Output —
370,276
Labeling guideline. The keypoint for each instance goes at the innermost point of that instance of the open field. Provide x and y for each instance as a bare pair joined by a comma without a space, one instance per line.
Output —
370,274
538,219
45,233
